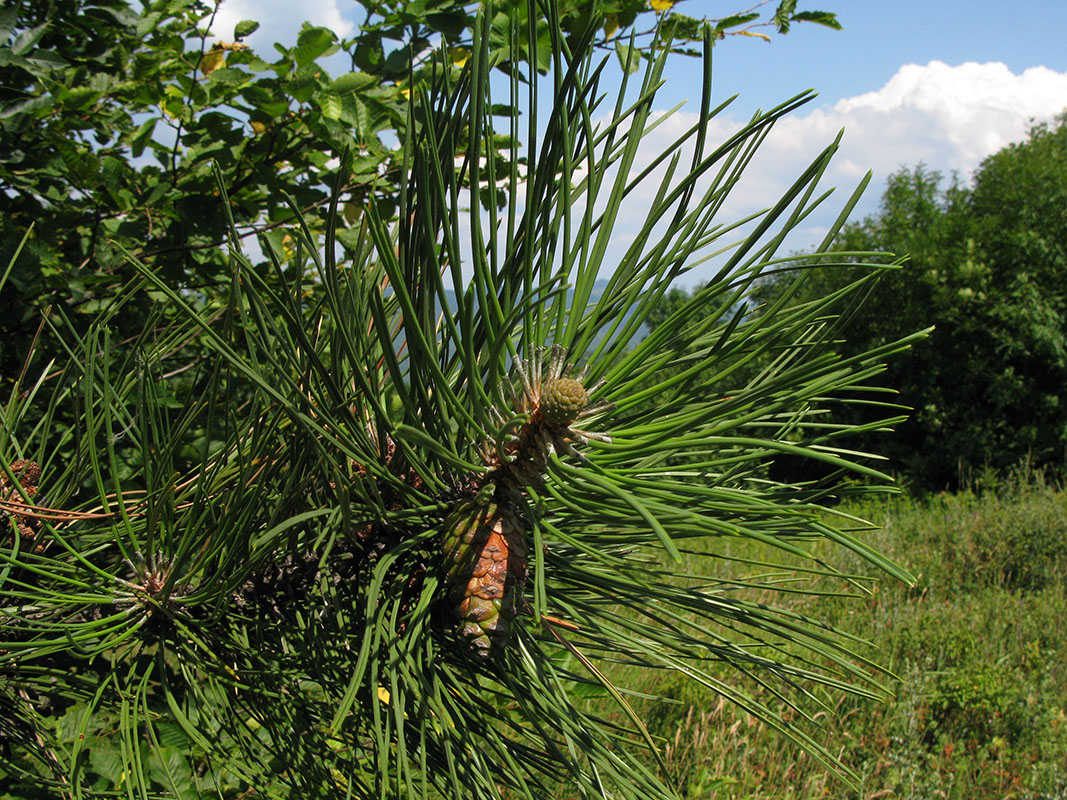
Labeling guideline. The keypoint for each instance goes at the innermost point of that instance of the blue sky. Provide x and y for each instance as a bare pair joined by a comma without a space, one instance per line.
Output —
907,81
879,37
940,82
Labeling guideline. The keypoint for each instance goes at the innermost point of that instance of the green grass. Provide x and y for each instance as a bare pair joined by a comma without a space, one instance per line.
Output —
977,651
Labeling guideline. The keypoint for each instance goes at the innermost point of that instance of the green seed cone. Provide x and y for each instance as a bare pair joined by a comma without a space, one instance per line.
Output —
562,400
485,554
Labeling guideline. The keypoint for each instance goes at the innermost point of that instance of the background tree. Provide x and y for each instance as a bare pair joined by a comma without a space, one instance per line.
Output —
394,533
985,265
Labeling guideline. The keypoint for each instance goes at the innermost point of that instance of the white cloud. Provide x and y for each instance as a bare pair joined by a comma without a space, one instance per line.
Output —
958,114
279,20
948,117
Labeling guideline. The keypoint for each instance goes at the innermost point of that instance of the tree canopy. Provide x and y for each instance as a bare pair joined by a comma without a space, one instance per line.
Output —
986,265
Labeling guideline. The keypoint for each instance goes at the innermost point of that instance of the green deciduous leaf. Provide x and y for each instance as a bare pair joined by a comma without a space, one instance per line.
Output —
79,97
108,762
818,17
140,138
353,82
244,28
27,39
783,14
735,21
312,43
231,76
46,60
170,769
452,24
330,104
8,20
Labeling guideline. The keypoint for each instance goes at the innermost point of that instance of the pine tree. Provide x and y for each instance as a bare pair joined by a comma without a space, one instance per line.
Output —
371,529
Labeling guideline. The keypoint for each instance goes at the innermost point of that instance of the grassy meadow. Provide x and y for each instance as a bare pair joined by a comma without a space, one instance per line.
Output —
977,652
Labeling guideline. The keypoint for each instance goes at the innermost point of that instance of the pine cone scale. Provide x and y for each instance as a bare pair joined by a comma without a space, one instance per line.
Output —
486,554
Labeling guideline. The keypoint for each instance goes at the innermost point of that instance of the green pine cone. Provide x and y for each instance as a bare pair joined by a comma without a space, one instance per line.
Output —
562,400
485,552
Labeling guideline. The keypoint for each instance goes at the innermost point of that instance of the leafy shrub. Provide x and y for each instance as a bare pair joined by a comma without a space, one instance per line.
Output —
1014,536
984,264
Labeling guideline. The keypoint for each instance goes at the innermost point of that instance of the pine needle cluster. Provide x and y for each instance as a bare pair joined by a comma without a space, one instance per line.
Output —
380,528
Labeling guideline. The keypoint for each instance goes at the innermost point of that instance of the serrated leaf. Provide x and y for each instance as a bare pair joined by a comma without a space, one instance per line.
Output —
108,763
8,20
783,14
170,769
360,114
826,18
28,39
78,97
46,60
148,23
212,60
733,21
7,59
172,735
311,44
352,82
330,105
245,27
25,106
231,76
141,136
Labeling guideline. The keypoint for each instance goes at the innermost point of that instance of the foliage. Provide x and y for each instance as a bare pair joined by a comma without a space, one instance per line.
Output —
673,300
113,112
250,568
113,116
981,692
979,648
984,265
